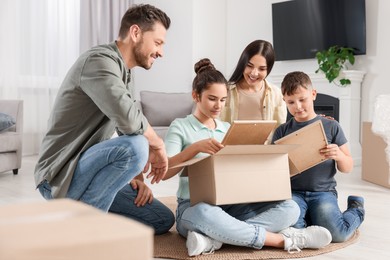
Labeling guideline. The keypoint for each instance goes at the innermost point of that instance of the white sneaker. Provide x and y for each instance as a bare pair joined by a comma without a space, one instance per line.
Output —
310,237
199,244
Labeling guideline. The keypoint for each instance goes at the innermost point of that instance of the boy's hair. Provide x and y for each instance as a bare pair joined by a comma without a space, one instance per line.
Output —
145,16
293,80
206,74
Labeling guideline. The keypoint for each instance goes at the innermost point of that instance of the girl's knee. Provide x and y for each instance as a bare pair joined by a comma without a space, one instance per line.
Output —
293,211
192,216
201,210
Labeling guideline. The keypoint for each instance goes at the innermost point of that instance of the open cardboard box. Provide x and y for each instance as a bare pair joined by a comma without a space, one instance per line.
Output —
240,174
66,229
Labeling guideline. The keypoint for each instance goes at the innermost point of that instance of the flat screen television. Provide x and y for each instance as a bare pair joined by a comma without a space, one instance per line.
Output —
301,28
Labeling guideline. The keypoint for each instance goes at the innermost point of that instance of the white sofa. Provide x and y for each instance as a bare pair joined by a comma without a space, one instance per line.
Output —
11,138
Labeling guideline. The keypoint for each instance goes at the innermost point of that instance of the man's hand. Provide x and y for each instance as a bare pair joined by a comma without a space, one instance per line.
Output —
157,156
158,161
144,195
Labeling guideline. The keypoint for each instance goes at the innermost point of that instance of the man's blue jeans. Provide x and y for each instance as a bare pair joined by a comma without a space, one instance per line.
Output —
156,214
104,169
322,209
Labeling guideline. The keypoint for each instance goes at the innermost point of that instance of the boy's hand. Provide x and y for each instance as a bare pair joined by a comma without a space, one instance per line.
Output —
331,151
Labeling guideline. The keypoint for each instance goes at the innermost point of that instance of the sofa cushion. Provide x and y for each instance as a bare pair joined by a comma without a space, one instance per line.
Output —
6,121
162,108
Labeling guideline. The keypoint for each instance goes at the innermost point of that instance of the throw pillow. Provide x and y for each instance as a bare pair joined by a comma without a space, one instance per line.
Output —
6,121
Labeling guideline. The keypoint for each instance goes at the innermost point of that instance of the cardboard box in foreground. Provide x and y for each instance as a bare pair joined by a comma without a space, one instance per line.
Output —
66,229
241,174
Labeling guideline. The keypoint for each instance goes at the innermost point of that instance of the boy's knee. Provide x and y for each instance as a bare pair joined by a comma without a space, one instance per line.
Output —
338,237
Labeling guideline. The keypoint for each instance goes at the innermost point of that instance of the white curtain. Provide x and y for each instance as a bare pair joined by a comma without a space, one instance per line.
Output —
39,42
100,21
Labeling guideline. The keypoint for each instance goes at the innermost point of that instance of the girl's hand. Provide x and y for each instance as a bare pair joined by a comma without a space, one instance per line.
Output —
210,146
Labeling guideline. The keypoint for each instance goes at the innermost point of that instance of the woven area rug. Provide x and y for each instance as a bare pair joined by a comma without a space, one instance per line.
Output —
171,245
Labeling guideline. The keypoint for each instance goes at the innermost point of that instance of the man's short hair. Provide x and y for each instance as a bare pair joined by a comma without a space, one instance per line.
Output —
145,16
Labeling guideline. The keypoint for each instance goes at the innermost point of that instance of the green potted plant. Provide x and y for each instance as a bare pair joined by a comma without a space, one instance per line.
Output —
332,61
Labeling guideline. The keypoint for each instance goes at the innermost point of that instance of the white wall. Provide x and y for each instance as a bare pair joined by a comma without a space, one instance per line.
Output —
220,29
172,72
209,33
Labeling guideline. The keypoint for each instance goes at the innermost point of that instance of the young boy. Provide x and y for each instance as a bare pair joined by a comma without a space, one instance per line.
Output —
315,189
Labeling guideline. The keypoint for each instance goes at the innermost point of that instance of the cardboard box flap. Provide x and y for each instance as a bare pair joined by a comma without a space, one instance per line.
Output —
311,139
249,132
256,149
189,162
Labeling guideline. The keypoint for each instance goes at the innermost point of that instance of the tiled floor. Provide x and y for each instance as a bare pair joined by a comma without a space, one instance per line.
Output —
374,241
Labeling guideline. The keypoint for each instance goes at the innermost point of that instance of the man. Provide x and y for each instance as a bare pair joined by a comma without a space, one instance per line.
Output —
78,158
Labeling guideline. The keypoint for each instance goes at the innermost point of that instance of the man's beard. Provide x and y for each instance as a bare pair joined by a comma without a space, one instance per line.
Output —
140,58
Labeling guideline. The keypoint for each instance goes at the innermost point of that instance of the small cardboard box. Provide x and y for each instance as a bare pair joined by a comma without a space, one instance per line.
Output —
66,229
375,166
240,174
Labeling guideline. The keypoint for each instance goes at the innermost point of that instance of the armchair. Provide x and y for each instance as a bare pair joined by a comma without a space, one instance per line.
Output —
11,138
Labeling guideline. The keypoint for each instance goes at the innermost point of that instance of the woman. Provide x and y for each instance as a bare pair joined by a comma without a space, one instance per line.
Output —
207,226
251,96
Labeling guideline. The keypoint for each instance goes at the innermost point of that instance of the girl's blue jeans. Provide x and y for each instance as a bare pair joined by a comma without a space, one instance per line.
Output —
322,209
237,224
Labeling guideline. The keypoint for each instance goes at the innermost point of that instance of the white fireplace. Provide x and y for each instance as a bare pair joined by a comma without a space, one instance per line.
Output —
350,103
